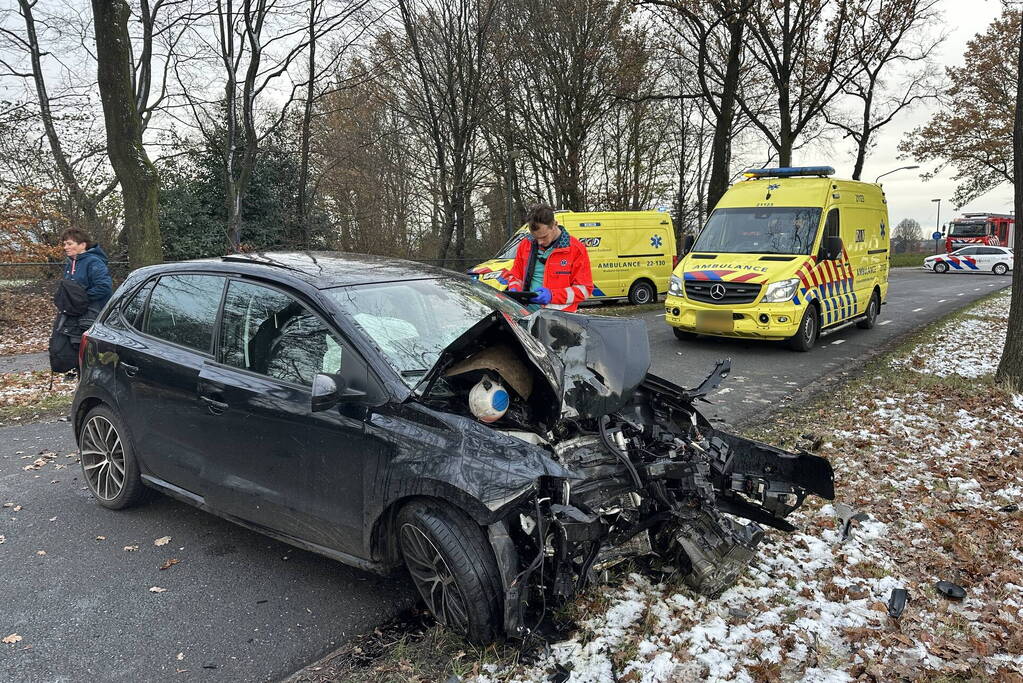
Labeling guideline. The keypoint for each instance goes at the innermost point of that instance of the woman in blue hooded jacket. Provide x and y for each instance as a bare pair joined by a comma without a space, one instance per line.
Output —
87,265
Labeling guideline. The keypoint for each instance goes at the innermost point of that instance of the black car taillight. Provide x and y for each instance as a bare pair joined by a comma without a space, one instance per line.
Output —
81,349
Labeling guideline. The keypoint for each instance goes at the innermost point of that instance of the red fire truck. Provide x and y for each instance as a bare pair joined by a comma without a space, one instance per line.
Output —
995,229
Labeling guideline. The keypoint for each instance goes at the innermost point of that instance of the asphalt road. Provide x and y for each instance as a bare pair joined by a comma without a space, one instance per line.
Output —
766,374
241,607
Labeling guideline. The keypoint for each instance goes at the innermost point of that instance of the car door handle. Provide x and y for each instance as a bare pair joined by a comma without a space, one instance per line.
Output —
130,370
216,407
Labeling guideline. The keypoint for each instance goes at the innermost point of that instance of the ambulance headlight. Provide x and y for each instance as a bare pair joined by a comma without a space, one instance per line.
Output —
781,291
675,286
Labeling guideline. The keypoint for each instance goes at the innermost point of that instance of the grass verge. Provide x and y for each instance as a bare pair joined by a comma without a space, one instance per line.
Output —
27,397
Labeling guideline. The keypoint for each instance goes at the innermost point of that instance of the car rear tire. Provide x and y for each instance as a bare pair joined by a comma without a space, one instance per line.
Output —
682,335
1000,269
641,292
873,308
453,567
108,460
940,267
809,330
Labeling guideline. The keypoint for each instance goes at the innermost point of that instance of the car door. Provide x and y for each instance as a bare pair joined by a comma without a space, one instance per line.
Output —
160,372
987,257
270,460
965,260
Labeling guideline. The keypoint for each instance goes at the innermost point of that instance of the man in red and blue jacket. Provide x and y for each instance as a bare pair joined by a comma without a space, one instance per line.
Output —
551,263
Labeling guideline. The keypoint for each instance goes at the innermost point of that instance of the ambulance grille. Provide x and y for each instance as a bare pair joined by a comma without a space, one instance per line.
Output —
735,292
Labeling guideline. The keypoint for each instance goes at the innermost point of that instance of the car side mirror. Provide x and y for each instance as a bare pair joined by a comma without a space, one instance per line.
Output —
330,390
687,244
832,248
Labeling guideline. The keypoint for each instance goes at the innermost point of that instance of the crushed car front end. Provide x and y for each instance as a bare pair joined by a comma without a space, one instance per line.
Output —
655,479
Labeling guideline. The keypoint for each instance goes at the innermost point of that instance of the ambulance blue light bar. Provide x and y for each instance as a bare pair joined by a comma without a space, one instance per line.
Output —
788,172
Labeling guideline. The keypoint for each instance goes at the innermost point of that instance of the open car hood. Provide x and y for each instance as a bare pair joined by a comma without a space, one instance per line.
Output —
591,363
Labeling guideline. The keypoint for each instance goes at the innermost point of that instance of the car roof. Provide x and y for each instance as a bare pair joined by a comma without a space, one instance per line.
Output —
320,269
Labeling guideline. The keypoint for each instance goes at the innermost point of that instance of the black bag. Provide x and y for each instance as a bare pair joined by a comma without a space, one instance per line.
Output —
63,353
71,299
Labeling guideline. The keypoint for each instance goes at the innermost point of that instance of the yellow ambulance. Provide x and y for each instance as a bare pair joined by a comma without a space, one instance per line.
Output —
788,254
632,253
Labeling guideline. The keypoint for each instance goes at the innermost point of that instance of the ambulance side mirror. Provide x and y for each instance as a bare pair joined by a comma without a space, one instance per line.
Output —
687,244
832,248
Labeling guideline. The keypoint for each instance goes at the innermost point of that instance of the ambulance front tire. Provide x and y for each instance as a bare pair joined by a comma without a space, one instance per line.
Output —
940,267
872,310
642,292
1000,269
682,335
809,328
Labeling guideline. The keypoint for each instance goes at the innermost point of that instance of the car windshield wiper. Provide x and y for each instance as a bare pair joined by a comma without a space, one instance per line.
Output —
413,373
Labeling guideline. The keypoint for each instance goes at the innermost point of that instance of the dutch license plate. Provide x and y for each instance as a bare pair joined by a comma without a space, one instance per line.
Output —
714,321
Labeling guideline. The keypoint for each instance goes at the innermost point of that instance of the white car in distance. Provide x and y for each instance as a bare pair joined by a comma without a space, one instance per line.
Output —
976,259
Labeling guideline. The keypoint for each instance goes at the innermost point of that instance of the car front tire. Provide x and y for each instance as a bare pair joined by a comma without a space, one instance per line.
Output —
809,330
873,308
108,460
641,292
940,267
453,567
1000,269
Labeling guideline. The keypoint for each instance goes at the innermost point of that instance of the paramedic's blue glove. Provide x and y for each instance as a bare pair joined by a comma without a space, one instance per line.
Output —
541,296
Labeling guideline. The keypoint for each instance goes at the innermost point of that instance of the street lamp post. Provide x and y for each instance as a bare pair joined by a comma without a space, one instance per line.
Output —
937,223
900,168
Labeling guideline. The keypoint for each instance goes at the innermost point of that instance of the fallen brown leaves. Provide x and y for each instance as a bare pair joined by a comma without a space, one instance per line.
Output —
25,322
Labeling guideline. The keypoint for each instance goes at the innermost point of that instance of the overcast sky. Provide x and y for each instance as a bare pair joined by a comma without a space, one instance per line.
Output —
908,195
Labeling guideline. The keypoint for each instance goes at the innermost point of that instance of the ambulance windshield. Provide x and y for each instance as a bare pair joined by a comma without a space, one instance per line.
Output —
761,230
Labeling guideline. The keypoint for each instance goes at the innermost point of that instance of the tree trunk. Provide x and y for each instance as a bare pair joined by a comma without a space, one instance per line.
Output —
720,147
140,182
307,117
1010,369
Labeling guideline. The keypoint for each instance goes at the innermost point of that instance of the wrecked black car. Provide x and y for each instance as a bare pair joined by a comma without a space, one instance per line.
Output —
383,413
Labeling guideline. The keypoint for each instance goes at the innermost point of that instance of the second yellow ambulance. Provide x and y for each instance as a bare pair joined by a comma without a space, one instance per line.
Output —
787,254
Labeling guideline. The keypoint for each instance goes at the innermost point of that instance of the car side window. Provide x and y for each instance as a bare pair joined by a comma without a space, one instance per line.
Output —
989,251
183,309
132,309
266,331
968,251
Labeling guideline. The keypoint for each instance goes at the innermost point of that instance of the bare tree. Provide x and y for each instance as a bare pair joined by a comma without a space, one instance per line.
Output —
85,201
885,35
801,45
140,183
566,72
448,87
714,35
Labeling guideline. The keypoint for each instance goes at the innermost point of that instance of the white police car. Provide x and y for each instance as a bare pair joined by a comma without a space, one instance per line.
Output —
976,259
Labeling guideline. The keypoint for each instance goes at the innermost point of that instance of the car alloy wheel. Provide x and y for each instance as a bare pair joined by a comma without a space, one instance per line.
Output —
433,578
103,458
940,267
1000,269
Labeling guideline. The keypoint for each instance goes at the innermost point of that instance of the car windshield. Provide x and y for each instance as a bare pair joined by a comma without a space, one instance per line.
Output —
510,247
763,230
412,322
973,229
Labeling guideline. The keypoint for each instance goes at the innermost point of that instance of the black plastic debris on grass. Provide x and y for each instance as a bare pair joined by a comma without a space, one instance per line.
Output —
897,602
950,590
1011,507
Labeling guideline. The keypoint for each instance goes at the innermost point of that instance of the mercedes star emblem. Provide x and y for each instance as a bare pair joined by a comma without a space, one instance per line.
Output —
717,292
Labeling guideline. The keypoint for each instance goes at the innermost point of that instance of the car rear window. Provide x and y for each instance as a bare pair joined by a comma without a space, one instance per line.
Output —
183,309
133,307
